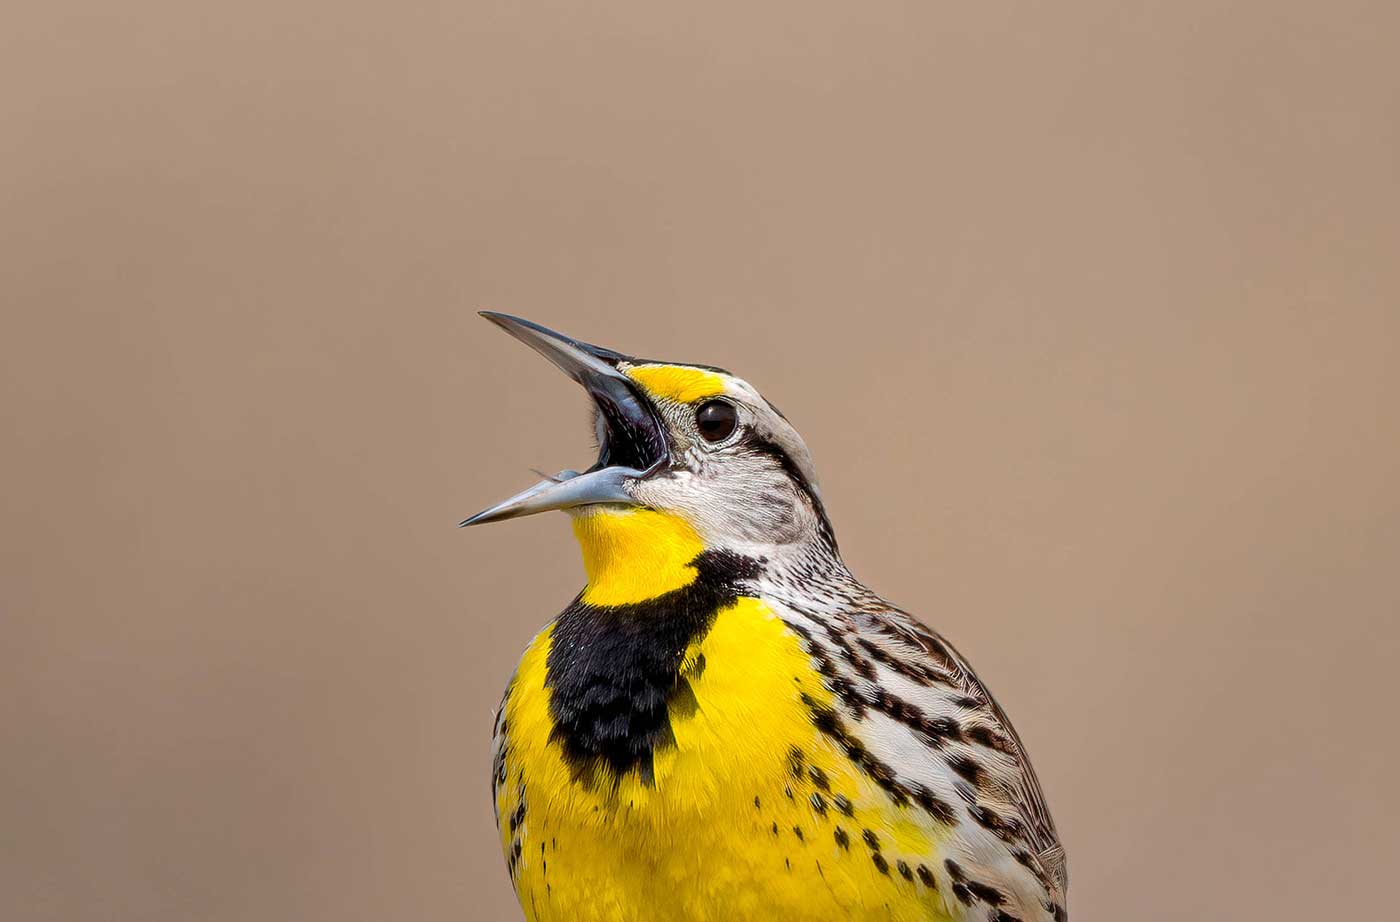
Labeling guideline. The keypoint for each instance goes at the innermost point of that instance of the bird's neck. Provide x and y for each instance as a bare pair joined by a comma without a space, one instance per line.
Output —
623,655
632,555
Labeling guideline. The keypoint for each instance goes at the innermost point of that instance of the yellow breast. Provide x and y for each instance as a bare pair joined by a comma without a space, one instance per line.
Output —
750,814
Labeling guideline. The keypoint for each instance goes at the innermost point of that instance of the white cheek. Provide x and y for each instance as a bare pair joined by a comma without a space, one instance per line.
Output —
694,459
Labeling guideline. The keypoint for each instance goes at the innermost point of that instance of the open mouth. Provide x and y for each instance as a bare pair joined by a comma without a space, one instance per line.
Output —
632,440
631,434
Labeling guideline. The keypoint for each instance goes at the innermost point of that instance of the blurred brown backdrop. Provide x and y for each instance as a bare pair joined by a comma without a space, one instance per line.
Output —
1089,313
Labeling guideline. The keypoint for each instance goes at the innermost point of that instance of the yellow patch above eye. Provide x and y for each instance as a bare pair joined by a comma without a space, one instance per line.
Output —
676,382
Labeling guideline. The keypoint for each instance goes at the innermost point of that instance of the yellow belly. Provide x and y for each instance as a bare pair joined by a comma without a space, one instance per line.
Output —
753,814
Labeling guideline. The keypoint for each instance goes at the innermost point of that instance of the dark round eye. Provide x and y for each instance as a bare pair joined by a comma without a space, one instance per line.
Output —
716,419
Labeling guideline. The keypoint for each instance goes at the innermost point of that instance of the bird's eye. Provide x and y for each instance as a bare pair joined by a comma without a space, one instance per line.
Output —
716,419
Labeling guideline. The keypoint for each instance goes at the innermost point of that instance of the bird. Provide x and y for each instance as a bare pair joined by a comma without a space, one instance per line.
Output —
725,725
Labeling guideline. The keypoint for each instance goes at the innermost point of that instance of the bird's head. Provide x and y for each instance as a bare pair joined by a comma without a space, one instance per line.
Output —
691,458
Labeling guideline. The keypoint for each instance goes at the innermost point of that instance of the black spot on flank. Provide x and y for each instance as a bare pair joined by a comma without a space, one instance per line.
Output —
934,731
963,894
985,736
965,701
955,870
1005,828
757,805
849,695
967,768
818,804
795,760
823,717
989,895
788,792
797,831
775,828
870,838
787,863
842,839
926,877
938,808
904,870
843,804
819,778
614,672
880,862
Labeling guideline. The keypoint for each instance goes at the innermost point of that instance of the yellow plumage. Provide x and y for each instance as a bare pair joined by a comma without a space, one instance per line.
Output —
729,830
725,725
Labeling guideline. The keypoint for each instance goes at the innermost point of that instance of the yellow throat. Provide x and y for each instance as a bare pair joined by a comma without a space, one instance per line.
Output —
631,555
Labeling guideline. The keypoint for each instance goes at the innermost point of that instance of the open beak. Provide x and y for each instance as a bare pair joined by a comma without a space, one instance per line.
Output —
633,442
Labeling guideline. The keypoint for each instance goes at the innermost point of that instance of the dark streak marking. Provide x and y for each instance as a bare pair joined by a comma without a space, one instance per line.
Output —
1005,828
989,895
826,720
967,768
985,736
913,670
938,808
614,672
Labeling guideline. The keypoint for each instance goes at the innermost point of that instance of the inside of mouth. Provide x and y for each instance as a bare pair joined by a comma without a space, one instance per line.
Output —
631,433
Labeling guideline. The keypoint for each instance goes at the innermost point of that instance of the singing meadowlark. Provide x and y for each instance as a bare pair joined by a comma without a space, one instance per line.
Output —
726,725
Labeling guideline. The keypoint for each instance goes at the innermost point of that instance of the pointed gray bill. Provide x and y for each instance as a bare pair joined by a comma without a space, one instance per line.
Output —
633,444
598,486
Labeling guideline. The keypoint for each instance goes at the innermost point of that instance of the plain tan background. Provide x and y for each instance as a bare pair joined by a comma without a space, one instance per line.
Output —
1089,313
